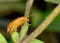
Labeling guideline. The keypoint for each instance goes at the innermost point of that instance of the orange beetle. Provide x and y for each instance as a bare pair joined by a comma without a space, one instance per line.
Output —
13,25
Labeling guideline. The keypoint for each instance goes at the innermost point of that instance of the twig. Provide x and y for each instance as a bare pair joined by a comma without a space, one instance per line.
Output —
43,26
28,7
27,11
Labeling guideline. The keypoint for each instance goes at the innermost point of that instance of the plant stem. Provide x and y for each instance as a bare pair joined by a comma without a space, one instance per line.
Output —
27,11
28,7
43,25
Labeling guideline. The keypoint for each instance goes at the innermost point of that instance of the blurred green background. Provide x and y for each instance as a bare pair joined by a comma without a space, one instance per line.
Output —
12,9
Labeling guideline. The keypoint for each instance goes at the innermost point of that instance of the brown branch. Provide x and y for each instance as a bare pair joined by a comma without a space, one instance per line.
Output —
43,25
28,7
27,12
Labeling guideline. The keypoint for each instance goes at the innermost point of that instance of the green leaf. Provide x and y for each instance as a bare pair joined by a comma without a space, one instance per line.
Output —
24,30
36,41
15,37
2,39
53,1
